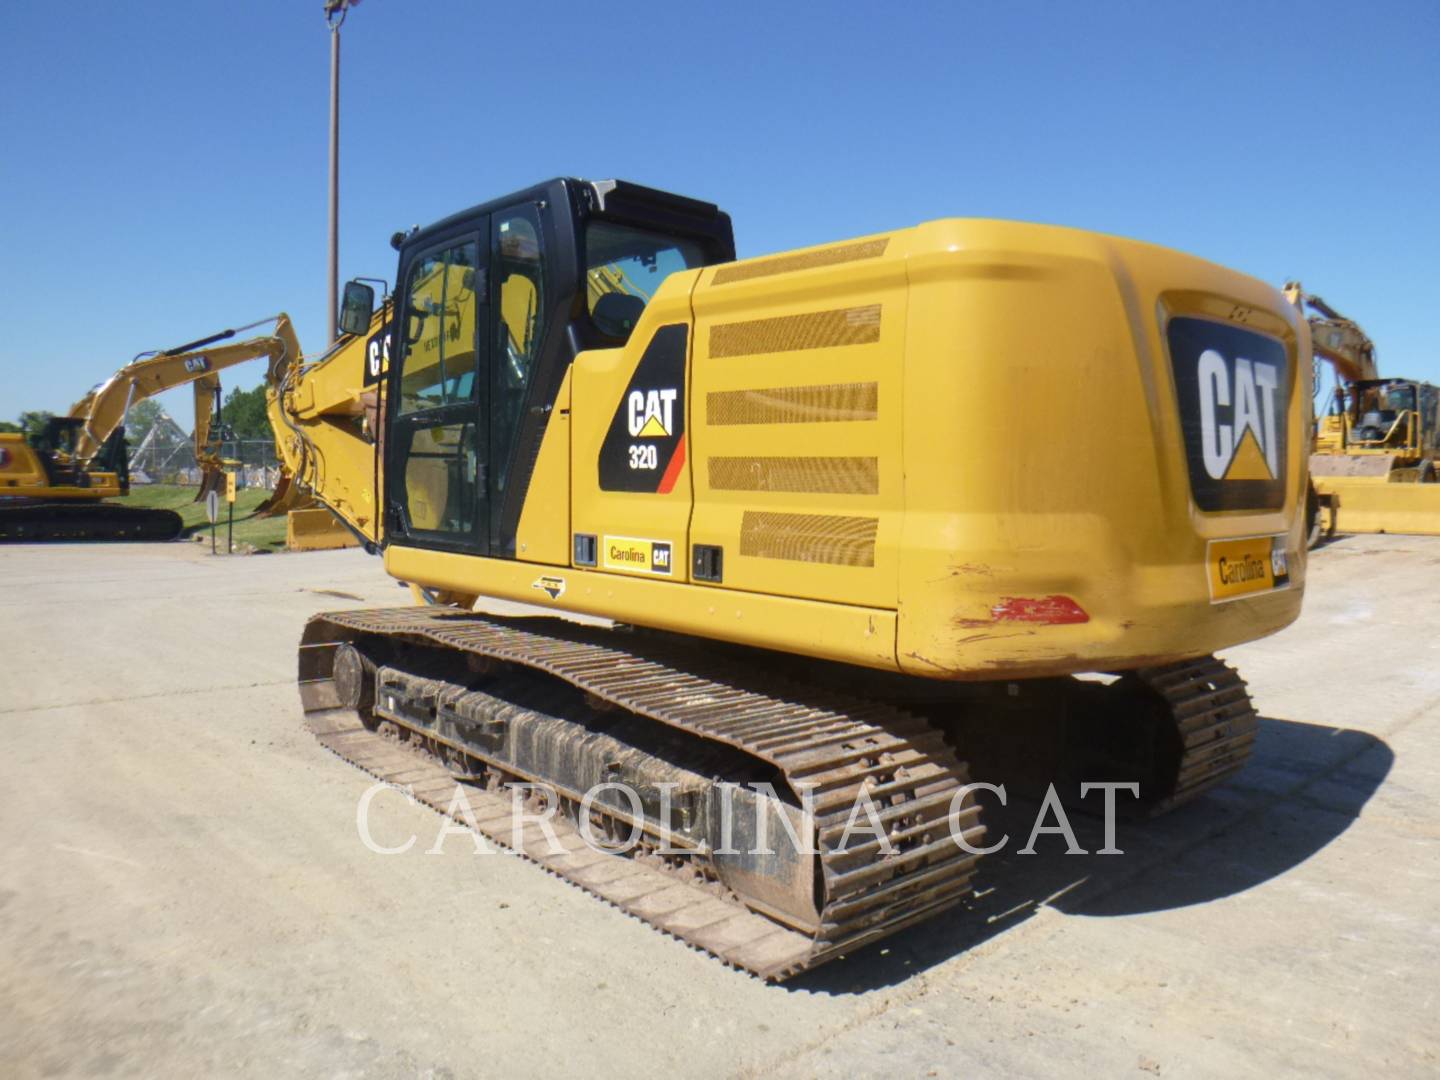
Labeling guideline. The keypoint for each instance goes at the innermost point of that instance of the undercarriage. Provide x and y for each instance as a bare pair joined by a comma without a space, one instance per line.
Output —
774,821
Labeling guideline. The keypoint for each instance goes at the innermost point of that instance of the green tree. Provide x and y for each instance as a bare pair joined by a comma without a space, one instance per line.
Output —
244,413
33,421
8,427
143,415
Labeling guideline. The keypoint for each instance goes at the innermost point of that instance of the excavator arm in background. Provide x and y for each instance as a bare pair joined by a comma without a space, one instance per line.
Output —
105,407
1334,338
207,450
55,487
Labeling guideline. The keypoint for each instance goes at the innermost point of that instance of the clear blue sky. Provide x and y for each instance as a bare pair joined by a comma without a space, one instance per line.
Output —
163,164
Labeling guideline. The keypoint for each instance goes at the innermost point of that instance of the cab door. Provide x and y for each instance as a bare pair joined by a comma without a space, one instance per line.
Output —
437,469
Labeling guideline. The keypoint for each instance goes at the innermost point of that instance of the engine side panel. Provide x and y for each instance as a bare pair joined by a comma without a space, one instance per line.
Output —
797,409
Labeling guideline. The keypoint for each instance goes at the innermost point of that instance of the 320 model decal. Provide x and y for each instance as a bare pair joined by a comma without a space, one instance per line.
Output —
644,449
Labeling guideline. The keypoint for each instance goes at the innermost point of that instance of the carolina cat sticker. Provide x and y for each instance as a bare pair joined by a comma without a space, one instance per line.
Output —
630,553
1255,564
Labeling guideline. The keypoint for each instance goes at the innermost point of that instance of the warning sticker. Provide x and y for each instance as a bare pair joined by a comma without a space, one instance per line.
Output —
640,556
551,586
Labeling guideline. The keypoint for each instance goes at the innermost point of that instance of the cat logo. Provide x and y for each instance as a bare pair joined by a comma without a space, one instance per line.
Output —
1233,387
1244,448
197,363
553,587
377,355
651,413
644,447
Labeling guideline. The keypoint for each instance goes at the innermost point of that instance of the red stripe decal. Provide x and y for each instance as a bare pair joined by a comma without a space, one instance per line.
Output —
672,471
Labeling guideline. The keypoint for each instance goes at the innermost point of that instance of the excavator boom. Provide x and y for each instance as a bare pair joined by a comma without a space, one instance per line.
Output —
324,415
106,406
1336,339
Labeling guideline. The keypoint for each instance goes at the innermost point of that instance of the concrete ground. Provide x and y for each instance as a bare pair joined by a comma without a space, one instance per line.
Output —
183,891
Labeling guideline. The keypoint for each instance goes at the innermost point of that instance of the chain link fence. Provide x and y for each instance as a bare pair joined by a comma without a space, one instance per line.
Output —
169,460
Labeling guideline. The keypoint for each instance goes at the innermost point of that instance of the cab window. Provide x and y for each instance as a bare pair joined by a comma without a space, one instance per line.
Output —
519,265
442,309
623,268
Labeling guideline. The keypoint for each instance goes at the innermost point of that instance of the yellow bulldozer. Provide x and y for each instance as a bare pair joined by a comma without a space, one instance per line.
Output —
843,508
1377,441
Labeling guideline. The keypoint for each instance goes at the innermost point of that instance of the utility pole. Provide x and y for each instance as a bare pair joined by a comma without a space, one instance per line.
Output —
335,11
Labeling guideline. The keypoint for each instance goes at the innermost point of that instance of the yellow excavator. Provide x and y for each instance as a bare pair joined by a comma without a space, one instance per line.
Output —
46,494
1377,443
847,510
54,485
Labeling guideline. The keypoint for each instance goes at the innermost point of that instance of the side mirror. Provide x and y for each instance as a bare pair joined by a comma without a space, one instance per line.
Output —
356,307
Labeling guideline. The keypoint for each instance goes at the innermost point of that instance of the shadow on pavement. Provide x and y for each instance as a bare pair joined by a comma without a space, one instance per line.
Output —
1302,788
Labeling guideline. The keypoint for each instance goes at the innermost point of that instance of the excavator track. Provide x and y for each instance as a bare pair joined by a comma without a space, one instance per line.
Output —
86,521
1214,721
843,752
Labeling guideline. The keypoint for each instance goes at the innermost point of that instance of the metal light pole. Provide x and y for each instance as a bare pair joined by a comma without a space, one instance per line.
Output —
335,11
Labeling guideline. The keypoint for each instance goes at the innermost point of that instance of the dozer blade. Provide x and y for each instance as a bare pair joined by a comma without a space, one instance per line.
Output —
1324,467
316,529
1375,506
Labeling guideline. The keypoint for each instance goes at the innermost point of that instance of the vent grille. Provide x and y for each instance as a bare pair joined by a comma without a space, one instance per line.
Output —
809,260
791,333
794,404
801,475
813,538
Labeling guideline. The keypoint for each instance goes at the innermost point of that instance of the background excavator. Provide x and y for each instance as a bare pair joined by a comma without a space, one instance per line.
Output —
53,486
1377,441
833,559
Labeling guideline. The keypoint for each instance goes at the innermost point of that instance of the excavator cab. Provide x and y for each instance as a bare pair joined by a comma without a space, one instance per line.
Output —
59,435
493,305
1385,414
56,445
